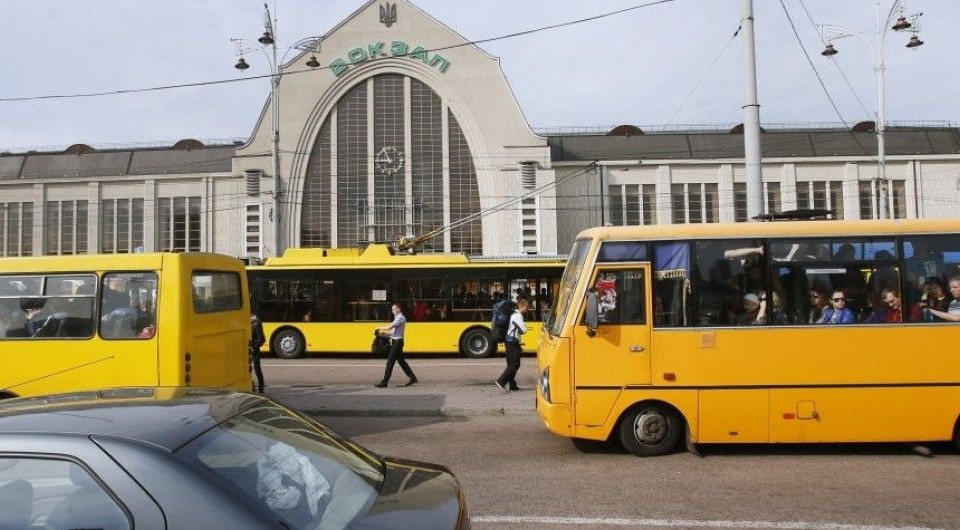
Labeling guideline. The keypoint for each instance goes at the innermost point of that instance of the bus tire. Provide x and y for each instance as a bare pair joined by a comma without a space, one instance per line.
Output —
591,446
475,343
650,429
288,344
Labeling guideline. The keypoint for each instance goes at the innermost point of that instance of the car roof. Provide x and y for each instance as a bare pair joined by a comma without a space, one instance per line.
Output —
166,417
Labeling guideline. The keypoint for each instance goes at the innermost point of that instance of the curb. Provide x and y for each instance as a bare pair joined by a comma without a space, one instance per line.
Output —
448,412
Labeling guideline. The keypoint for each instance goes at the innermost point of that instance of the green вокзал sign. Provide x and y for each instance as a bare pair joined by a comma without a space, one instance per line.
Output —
357,56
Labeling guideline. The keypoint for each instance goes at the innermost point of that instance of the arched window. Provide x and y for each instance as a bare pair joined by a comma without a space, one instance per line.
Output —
388,182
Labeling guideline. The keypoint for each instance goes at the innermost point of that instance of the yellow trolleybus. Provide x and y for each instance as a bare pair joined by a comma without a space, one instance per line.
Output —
810,331
322,300
71,323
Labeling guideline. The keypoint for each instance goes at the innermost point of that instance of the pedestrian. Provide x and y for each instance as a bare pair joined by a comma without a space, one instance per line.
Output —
396,330
257,339
508,379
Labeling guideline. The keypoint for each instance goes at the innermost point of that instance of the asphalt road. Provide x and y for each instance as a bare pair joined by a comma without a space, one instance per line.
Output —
519,476
365,370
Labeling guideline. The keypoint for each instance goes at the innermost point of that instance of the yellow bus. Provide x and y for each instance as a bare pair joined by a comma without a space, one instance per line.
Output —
72,323
778,332
330,300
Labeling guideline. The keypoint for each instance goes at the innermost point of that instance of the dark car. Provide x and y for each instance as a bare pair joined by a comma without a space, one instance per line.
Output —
202,459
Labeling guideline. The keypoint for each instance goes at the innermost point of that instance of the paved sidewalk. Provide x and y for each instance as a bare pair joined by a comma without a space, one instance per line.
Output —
469,399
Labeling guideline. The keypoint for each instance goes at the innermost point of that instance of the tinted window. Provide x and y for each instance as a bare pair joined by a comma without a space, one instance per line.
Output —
216,291
621,297
617,251
578,257
289,467
128,305
56,494
47,306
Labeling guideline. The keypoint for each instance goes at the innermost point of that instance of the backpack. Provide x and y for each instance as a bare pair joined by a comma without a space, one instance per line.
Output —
500,320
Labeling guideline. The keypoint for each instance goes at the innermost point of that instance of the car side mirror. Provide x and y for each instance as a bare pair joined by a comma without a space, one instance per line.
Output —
591,318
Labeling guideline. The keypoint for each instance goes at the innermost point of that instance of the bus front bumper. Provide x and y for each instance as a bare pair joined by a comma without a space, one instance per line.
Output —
556,417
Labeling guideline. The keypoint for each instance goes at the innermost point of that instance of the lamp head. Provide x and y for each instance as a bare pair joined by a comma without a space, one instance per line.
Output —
914,42
241,65
829,51
313,62
266,38
901,24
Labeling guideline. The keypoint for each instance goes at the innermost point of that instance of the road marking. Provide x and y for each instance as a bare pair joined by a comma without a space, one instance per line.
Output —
687,523
377,365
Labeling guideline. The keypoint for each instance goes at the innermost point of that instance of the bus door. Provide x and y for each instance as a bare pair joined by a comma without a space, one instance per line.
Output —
617,353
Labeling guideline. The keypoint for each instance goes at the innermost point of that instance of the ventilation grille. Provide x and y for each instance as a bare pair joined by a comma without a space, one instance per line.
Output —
252,177
528,175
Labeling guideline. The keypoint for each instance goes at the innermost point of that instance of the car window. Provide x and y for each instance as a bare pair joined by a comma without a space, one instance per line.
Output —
48,493
298,472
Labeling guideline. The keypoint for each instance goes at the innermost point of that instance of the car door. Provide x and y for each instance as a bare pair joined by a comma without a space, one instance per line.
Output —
617,353
68,481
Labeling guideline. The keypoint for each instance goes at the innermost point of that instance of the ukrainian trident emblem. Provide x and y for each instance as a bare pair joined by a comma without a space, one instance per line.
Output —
388,14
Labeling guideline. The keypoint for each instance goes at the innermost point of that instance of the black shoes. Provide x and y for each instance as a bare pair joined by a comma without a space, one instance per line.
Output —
412,382
514,388
381,384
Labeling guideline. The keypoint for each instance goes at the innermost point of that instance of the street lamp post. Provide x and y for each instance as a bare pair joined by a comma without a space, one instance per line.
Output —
269,39
832,32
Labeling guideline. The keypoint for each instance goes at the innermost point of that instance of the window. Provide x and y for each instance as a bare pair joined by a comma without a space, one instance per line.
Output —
66,227
821,195
121,226
16,229
695,203
727,279
252,230
632,204
253,453
128,305
870,199
772,194
60,493
621,297
929,264
216,291
564,295
179,224
47,306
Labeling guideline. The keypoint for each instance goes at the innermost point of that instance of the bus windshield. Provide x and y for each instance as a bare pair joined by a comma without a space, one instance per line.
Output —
568,283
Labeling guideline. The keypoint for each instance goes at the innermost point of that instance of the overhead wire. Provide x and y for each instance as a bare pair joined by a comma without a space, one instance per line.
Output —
300,71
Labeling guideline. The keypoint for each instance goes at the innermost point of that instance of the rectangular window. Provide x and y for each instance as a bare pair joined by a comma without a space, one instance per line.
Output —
66,227
47,306
695,203
739,202
678,204
216,291
821,195
179,224
898,192
128,305
773,197
615,200
632,204
121,225
251,231
871,198
649,205
621,297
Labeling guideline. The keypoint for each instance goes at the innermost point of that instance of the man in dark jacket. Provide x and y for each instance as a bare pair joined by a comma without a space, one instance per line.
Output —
257,339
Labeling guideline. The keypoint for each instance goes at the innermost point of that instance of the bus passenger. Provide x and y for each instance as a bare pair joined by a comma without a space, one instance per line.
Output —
818,303
952,314
891,297
933,297
838,313
751,311
32,308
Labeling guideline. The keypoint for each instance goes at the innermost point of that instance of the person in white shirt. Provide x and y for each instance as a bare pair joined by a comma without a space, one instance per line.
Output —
516,328
397,330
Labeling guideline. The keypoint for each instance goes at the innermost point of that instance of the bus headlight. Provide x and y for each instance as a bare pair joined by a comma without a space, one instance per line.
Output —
545,384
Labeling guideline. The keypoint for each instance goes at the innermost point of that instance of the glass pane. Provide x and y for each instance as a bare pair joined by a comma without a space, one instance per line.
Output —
218,291
123,225
60,493
66,227
165,225
53,227
678,204
616,205
728,283
614,251
649,204
107,226
128,305
866,199
696,212
194,224
136,234
739,202
632,207
571,274
81,227
621,297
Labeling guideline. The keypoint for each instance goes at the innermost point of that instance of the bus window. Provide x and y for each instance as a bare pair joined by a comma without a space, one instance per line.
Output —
60,306
620,297
672,284
128,305
726,275
216,291
368,300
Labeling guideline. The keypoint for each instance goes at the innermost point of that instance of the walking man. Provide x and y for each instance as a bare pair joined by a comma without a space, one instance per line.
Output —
396,330
517,327
257,339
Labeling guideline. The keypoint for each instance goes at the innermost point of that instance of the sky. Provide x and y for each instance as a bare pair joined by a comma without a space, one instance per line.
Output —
647,67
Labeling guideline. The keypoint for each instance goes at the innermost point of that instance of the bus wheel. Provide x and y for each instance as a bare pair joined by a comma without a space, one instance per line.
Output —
475,343
650,429
287,344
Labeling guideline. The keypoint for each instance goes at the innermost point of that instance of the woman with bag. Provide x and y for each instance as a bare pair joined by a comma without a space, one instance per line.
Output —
517,327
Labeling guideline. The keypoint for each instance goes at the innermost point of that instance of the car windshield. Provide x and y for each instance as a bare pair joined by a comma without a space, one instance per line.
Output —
554,323
295,470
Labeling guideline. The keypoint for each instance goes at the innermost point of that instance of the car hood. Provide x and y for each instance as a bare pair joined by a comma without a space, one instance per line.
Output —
415,495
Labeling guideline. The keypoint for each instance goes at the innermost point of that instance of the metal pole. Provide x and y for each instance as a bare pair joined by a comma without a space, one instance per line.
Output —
275,104
879,67
603,202
751,114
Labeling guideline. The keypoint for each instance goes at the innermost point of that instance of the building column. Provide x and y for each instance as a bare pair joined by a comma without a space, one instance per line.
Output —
912,191
333,177
788,187
445,157
93,217
851,191
151,223
728,199
664,204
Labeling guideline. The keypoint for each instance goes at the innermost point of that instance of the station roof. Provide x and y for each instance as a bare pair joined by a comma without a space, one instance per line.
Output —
773,143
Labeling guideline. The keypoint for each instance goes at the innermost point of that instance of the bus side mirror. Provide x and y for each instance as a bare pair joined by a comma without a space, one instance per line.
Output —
591,316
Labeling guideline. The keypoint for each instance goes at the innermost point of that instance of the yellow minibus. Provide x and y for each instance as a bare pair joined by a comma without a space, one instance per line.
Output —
775,332
70,323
